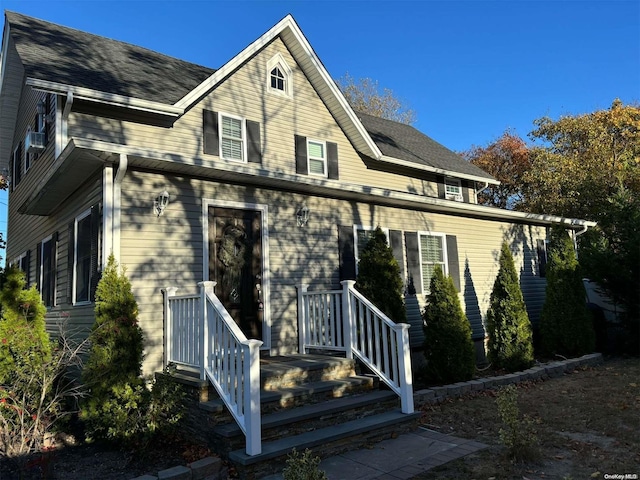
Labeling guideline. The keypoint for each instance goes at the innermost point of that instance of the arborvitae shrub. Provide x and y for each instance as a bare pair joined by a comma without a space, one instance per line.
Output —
23,335
379,277
566,326
448,346
510,337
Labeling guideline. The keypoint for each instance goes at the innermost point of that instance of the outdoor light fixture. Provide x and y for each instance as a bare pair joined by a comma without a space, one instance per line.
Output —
161,202
303,215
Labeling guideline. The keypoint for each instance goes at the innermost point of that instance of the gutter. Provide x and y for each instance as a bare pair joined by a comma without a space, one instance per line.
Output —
440,171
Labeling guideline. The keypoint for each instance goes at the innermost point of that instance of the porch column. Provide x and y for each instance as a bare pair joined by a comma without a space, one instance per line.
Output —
167,353
303,318
205,347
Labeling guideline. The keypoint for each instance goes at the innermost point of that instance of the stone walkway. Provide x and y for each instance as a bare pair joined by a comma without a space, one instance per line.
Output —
399,458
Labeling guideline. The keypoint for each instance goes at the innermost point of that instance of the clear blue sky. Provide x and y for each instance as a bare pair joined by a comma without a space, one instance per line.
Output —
470,69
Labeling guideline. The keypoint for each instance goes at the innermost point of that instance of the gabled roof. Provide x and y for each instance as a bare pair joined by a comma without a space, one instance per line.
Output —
71,57
398,141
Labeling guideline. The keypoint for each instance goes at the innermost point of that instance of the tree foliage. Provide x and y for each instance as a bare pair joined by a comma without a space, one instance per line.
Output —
566,327
448,347
583,161
365,96
379,277
510,336
507,160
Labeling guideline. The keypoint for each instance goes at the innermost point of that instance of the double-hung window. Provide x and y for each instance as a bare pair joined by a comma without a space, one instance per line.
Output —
317,157
232,138
433,251
82,258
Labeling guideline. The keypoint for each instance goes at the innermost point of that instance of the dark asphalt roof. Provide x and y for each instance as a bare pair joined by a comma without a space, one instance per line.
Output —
60,54
404,142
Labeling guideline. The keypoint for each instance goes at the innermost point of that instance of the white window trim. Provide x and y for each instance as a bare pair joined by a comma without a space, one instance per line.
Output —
80,217
309,158
366,228
243,125
445,256
278,61
16,261
41,272
453,182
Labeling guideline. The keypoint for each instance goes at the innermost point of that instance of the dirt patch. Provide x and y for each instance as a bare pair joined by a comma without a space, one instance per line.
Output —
586,422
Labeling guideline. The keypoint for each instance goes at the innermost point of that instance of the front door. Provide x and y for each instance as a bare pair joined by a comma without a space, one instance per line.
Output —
235,263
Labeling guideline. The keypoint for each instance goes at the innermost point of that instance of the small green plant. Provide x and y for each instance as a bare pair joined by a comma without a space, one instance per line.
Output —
379,277
517,434
303,467
510,336
448,347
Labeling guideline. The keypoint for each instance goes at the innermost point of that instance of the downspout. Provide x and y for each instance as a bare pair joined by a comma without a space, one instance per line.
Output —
478,190
117,188
576,234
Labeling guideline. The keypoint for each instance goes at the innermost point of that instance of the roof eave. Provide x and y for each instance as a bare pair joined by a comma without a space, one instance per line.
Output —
439,171
96,96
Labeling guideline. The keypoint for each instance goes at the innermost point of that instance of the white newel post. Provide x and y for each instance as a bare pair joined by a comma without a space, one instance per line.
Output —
303,318
167,293
252,397
348,323
404,367
205,288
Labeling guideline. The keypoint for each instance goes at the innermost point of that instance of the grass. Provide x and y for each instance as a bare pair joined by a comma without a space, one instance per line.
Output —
587,424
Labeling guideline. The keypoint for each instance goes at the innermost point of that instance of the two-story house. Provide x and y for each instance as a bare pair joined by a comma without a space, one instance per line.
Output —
258,176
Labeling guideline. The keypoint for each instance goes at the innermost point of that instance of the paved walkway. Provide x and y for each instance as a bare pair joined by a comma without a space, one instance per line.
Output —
399,458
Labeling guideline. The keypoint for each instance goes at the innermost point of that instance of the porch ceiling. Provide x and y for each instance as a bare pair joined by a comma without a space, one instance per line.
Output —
70,170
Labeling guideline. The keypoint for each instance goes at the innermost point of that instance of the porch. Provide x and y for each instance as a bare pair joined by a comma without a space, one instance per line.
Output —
201,335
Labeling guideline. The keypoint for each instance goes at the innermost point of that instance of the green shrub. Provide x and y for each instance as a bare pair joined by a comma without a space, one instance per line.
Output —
120,406
448,347
510,338
303,467
566,326
379,277
517,434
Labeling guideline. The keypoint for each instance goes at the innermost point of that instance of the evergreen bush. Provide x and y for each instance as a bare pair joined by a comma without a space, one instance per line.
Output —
448,346
566,326
303,467
510,337
379,277
120,406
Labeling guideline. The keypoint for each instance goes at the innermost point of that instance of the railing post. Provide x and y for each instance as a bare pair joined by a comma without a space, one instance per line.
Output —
167,293
404,367
252,397
303,318
205,287
348,323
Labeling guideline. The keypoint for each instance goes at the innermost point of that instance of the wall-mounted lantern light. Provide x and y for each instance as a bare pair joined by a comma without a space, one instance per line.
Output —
161,202
302,215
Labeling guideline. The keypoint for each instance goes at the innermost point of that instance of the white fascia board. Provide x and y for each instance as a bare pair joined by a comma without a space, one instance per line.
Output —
4,52
287,23
440,171
88,94
437,204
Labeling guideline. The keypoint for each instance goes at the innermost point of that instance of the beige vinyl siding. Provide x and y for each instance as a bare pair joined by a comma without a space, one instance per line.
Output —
245,94
168,250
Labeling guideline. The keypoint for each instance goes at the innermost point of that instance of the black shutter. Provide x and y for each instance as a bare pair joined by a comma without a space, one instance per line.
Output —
94,276
454,261
254,149
542,257
27,266
332,160
301,155
38,265
441,189
395,242
210,140
413,260
70,255
18,166
347,253
53,257
11,172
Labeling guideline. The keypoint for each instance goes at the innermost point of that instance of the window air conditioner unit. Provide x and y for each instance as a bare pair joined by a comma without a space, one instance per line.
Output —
454,196
34,142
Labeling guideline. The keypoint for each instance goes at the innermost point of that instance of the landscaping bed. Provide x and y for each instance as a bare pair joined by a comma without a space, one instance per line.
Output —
586,423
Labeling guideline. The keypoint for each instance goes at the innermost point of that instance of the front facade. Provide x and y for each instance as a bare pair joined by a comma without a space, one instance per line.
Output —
257,176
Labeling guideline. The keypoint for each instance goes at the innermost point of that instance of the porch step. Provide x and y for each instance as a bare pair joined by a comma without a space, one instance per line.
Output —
324,442
286,371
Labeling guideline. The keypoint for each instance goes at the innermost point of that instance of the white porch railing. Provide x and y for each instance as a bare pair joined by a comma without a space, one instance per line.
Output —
346,320
200,332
